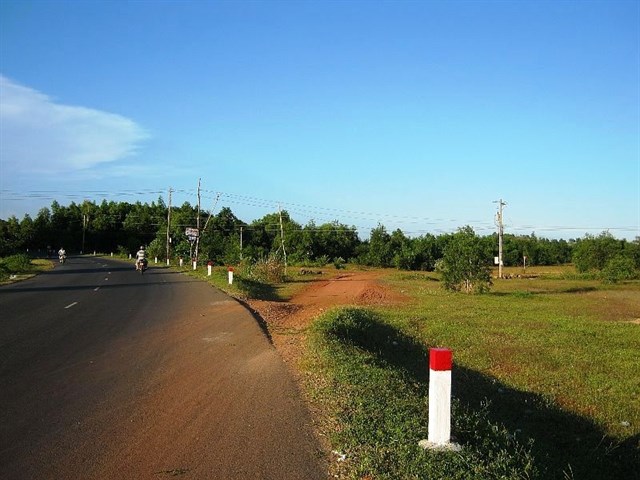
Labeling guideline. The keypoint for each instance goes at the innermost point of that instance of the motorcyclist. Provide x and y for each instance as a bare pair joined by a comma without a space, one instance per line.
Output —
141,258
62,254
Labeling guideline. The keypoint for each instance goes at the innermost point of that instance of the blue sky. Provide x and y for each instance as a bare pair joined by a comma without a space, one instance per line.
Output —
416,115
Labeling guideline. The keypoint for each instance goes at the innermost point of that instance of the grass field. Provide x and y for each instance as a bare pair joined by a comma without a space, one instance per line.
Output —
21,267
546,379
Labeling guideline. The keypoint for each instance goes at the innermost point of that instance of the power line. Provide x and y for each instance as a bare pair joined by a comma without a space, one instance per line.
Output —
314,212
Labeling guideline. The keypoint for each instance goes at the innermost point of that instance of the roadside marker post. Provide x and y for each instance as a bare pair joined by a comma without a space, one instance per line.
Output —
230,275
195,264
181,261
156,259
439,428
209,265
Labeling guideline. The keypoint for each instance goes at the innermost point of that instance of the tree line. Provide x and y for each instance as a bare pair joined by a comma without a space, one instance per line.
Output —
122,227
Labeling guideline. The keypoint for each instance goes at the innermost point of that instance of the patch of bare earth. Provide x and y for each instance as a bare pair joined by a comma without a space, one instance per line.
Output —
287,322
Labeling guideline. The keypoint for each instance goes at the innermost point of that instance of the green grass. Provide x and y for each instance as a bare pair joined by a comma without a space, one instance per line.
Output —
375,385
245,288
546,380
20,267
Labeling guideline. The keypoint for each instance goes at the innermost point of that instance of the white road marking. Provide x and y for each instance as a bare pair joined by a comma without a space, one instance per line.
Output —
96,289
71,305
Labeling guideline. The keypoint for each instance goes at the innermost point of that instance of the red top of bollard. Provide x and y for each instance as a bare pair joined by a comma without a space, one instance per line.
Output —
209,263
230,269
440,359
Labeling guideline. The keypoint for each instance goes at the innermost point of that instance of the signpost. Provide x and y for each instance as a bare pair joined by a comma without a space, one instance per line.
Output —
192,234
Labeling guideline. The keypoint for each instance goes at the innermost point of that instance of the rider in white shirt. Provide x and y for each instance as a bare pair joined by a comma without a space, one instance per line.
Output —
140,257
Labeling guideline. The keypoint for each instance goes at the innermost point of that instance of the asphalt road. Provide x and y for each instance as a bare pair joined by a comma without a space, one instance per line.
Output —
106,373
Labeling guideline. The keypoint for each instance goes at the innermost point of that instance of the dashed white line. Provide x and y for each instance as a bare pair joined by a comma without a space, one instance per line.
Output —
71,305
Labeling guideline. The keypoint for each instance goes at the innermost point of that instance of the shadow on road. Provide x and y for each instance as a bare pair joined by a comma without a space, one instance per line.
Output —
23,287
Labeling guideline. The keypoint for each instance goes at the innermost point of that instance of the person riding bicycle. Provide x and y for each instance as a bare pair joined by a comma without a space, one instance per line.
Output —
141,258
62,254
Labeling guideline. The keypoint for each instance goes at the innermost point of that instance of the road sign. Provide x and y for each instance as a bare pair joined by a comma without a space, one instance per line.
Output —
192,232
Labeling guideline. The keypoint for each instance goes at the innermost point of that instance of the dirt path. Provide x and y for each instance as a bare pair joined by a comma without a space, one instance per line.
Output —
287,322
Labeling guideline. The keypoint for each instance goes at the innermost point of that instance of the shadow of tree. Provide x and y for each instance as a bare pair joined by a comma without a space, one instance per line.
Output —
258,290
565,445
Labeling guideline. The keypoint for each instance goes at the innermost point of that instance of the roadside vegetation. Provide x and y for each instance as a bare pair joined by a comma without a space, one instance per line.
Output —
545,380
224,239
21,266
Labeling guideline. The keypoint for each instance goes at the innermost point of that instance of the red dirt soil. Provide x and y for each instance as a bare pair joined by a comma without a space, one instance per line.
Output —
287,322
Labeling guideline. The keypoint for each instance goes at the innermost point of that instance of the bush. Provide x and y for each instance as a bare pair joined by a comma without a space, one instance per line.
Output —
13,265
265,270
619,268
464,265
17,263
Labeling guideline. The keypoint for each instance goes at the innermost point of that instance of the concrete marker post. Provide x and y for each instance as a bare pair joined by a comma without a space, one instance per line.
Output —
181,261
195,264
230,275
439,428
209,265
156,259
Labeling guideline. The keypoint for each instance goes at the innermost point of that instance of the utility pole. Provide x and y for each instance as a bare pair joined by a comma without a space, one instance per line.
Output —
500,225
169,226
240,242
197,226
282,240
84,229
85,221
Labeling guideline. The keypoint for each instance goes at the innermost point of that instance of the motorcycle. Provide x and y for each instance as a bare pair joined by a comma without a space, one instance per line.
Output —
141,265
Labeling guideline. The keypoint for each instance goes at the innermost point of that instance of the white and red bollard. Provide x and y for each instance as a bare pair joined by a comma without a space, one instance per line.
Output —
195,265
209,265
439,428
230,270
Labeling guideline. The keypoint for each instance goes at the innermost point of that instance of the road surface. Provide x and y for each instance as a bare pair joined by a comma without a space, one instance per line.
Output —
106,373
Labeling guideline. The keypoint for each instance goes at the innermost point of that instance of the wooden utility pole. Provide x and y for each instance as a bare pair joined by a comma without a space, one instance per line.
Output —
500,225
240,242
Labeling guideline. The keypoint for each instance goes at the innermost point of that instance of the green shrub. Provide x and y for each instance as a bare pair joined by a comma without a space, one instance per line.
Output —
619,268
265,270
17,263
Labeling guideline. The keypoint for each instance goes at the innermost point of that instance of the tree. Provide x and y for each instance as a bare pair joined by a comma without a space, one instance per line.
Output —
619,268
379,254
465,265
593,253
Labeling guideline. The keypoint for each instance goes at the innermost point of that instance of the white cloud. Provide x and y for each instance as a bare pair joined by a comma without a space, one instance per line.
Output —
38,135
